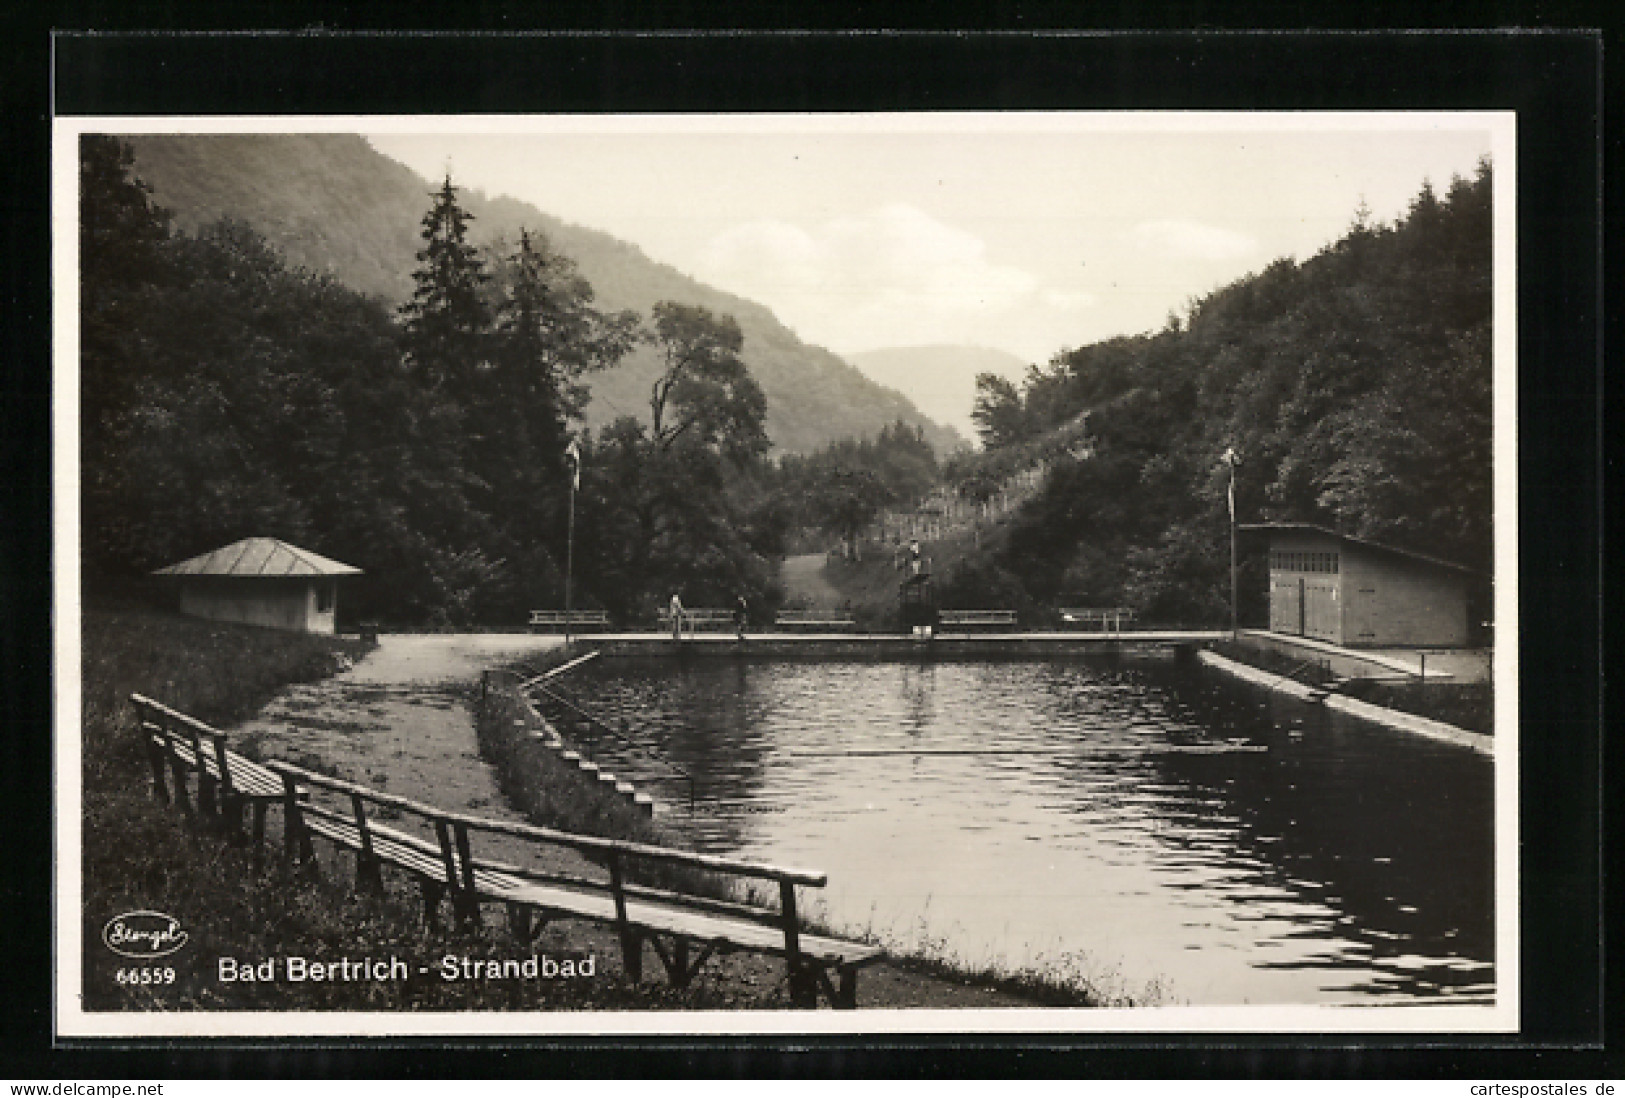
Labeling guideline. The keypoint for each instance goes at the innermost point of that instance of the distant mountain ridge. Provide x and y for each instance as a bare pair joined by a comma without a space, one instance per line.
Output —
939,379
334,204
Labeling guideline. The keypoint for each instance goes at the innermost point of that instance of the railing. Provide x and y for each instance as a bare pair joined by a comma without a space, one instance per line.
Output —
621,734
1317,663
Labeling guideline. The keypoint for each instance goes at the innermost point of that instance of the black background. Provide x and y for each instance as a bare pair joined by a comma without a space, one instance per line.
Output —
1551,78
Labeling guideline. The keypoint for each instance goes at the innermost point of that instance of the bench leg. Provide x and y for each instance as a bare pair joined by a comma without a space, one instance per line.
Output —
803,986
680,968
259,837
160,788
677,971
433,892
298,853
231,817
177,771
519,923
847,997
632,955
526,923
369,876
466,906
207,803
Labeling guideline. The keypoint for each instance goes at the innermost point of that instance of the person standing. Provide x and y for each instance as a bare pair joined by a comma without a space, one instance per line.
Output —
676,612
741,616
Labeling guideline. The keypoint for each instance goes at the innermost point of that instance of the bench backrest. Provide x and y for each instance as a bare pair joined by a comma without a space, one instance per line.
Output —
599,849
173,726
699,616
360,797
1098,613
609,851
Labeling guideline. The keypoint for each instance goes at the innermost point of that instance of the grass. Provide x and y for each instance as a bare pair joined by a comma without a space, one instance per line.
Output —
871,585
1069,978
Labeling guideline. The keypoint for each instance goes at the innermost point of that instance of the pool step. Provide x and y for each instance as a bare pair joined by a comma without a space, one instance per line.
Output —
548,736
1327,689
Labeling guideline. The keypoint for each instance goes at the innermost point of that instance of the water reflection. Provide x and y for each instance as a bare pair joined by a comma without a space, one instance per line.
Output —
1393,837
1158,820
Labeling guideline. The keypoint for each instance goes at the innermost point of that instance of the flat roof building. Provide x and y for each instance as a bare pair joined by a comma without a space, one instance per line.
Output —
262,581
1357,593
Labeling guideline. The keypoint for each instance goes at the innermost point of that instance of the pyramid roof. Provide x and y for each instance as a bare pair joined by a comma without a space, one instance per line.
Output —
259,557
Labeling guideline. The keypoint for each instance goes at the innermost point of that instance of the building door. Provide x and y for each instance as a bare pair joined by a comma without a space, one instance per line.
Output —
1363,616
1320,612
1284,603
1303,610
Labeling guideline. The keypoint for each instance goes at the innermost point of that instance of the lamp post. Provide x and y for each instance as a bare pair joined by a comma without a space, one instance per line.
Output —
1231,458
572,454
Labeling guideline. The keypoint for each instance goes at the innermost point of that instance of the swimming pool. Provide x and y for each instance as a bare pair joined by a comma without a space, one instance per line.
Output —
1166,833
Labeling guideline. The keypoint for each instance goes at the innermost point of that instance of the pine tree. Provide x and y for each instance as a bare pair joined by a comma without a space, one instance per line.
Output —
548,335
448,322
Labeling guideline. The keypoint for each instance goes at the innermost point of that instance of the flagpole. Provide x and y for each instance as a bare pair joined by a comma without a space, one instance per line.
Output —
1230,460
574,457
569,563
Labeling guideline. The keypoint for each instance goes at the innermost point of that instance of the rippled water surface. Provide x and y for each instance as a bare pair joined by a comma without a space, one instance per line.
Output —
1152,824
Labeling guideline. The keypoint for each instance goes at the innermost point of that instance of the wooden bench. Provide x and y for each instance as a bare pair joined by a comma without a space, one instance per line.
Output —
555,620
684,930
814,619
699,618
972,619
1109,618
228,784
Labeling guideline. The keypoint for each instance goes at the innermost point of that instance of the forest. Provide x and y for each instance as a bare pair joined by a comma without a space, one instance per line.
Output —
1354,388
226,393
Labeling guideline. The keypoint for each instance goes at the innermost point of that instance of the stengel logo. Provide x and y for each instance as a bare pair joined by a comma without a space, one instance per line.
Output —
143,934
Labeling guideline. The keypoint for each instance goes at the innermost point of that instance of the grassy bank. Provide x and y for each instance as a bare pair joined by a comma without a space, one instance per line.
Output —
959,568
140,856
1467,705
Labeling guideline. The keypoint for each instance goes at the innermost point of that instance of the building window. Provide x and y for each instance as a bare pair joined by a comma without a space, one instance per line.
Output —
1282,560
324,597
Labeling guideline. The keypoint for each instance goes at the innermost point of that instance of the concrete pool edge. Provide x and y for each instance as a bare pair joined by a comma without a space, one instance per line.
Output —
1376,714
892,645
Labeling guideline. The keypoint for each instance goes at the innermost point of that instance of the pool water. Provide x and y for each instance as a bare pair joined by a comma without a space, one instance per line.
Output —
1157,829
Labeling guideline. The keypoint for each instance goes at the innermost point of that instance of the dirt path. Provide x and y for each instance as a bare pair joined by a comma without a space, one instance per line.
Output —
401,721
804,583
398,720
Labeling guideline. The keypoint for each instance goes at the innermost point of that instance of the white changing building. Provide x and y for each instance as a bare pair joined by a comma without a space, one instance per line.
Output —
262,581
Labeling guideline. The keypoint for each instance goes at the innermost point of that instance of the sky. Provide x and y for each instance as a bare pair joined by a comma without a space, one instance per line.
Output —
1029,233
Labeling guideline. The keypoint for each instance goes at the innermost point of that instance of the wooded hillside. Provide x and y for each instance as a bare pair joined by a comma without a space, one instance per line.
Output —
1355,388
225,394
333,205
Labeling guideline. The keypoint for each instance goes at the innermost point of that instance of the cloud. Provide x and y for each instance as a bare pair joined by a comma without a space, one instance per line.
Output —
1193,240
891,276
1068,300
